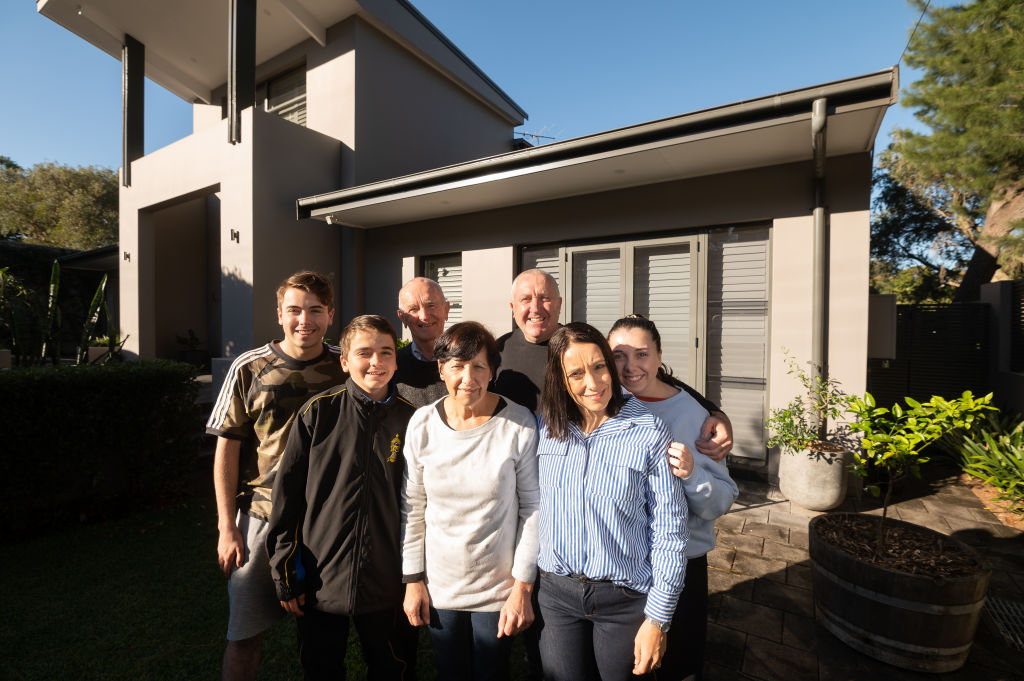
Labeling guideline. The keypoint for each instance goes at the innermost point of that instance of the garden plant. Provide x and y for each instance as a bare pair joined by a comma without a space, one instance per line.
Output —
995,455
894,439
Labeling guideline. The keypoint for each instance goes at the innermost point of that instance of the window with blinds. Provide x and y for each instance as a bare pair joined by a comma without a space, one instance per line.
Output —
285,95
737,332
446,270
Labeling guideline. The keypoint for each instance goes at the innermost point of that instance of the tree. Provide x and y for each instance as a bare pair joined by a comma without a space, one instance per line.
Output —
8,170
58,205
968,169
915,252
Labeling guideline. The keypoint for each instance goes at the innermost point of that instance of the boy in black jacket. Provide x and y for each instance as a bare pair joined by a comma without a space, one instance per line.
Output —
334,535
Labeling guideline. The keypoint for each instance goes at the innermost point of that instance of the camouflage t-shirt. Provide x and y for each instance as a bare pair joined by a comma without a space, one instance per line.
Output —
262,393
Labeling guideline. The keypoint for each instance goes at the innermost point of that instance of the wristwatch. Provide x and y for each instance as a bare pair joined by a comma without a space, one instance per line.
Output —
661,626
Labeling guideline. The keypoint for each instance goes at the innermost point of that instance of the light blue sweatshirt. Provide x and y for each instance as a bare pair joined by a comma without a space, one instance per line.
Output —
709,489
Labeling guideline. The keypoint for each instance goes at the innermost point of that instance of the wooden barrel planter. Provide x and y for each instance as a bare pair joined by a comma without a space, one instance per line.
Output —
911,621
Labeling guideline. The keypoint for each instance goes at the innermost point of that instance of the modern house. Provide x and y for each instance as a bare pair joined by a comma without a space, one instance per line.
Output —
741,230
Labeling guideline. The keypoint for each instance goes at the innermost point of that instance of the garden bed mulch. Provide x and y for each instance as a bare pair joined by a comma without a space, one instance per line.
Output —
989,496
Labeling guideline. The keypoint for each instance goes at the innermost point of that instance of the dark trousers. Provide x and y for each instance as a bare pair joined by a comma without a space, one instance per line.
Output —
684,654
589,628
467,647
323,642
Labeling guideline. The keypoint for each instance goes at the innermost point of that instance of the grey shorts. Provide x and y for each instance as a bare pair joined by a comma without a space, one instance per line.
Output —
253,599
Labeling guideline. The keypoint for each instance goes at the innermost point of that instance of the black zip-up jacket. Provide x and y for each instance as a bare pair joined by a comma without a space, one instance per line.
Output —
335,508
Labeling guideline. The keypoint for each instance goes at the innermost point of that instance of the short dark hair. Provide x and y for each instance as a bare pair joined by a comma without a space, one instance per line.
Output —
557,406
310,282
366,322
464,341
635,321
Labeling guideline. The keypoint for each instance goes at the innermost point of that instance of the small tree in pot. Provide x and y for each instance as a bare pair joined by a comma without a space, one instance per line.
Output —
899,592
893,440
812,464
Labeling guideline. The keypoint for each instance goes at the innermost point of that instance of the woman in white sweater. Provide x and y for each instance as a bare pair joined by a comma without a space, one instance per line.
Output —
636,346
469,512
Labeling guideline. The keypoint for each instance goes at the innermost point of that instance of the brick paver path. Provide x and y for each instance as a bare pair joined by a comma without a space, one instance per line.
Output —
762,609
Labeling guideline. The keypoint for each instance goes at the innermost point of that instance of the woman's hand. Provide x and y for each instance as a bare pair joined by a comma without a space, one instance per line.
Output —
680,460
648,648
715,436
517,613
417,603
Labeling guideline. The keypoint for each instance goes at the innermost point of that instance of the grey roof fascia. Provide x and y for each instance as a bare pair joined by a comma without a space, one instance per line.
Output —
881,85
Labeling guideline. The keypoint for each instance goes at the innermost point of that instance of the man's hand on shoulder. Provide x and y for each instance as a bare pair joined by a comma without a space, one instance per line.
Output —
715,436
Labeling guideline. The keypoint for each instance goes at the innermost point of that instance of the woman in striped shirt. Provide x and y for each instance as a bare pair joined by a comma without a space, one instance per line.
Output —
613,519
636,345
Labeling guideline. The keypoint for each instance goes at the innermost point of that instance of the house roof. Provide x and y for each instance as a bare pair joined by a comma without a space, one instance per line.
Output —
102,259
753,133
187,40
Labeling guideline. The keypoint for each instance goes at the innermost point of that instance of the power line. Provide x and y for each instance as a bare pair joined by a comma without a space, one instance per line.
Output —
904,52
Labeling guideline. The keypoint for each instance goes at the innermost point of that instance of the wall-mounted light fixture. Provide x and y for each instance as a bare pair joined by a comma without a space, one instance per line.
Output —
234,236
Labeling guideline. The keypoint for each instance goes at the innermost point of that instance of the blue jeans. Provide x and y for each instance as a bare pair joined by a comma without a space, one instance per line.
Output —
467,647
588,628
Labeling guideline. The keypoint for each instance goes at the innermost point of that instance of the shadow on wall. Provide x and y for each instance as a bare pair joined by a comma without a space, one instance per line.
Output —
235,295
234,300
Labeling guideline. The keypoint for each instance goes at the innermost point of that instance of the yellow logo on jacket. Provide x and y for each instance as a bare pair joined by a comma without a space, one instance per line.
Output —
396,446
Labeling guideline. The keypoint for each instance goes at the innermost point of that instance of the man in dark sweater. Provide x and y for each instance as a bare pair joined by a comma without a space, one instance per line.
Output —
423,310
536,304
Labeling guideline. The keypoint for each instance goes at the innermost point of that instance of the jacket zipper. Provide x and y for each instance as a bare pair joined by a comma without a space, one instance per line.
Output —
364,500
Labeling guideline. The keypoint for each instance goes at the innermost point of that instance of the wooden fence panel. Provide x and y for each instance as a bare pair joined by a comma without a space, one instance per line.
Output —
940,350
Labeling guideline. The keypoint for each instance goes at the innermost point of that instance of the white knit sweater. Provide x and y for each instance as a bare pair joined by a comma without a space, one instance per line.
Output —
469,507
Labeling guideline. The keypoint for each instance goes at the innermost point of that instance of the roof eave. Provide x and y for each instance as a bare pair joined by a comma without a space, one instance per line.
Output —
879,88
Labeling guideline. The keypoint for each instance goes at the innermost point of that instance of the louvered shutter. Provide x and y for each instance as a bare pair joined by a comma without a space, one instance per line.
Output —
597,287
446,270
544,258
286,96
663,283
737,328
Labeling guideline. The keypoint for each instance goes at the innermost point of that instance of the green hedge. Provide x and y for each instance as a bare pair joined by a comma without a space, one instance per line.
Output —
81,440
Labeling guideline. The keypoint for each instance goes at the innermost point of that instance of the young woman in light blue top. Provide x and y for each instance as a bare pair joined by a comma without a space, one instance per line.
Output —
636,345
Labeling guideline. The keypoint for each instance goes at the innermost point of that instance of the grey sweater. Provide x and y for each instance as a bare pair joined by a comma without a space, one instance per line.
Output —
710,490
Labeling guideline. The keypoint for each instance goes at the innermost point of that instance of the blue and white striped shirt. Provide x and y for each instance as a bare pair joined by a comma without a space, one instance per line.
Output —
611,509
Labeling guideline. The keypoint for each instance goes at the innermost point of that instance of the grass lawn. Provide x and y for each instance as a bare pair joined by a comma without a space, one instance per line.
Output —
137,597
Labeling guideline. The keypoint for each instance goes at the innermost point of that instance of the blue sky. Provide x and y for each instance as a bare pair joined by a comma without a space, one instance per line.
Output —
576,66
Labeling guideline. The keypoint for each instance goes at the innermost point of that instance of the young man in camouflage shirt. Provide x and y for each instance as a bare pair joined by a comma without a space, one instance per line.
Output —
261,395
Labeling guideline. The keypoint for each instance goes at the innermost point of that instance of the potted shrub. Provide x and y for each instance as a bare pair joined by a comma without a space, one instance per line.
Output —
812,463
899,592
